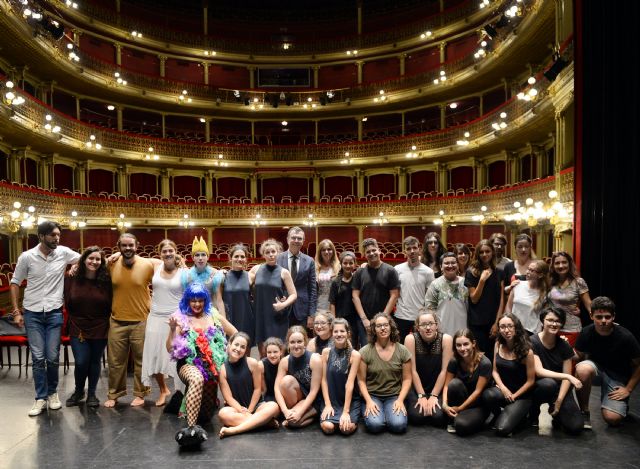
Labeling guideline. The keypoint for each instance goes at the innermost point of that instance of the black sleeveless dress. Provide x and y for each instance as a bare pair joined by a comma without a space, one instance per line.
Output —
337,373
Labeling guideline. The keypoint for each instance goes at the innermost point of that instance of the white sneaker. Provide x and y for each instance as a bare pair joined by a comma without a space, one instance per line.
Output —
451,429
54,401
38,407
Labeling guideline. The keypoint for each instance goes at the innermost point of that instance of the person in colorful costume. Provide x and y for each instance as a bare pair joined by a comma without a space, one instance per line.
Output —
203,273
198,344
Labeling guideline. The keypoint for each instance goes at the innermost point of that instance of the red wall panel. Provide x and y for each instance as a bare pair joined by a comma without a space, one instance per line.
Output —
143,183
422,61
463,234
338,76
233,235
102,237
347,234
228,77
338,185
185,235
29,171
182,70
148,235
140,62
186,186
461,177
423,181
380,70
461,47
277,187
97,48
496,176
420,231
100,180
71,239
231,186
391,234
382,184
63,176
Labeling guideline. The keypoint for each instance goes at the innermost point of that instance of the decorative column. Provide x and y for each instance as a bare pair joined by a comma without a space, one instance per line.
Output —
359,183
205,26
359,64
402,58
118,49
360,125
205,71
443,52
316,69
252,81
443,116
15,158
165,186
45,171
442,177
119,110
253,132
122,180
359,17
316,187
316,131
402,120
481,105
163,69
481,174
163,125
208,186
254,187
360,236
80,176
401,173
207,130
77,108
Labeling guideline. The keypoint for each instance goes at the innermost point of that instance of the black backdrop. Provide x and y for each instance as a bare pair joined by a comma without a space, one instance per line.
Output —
607,152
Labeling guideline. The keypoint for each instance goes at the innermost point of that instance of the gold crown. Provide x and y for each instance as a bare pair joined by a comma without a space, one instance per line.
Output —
199,246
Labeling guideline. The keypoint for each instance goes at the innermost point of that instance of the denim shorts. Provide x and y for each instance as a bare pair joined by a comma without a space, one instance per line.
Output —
608,384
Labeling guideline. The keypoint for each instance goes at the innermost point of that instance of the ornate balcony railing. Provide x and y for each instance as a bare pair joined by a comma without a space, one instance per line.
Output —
312,45
99,212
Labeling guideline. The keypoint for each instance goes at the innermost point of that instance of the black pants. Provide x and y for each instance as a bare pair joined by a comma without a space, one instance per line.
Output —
438,419
509,414
569,416
404,327
471,419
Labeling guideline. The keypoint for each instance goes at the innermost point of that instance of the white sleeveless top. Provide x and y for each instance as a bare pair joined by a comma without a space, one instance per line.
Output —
166,293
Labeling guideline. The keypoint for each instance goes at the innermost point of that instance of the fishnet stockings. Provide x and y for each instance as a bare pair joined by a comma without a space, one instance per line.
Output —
201,395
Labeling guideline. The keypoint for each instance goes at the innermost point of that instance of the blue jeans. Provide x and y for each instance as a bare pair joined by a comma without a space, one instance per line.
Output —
386,418
43,331
87,355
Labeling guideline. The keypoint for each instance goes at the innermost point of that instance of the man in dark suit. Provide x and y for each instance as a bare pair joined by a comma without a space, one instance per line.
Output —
303,272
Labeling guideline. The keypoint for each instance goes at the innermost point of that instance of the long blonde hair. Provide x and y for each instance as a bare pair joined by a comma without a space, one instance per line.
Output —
334,262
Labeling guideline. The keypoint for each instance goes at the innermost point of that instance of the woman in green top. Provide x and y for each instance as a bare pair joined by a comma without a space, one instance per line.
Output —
384,377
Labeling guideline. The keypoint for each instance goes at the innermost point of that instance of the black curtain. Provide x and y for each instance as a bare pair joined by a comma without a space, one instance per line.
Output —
607,130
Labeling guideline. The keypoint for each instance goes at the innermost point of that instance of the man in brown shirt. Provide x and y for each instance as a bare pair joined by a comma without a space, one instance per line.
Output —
130,278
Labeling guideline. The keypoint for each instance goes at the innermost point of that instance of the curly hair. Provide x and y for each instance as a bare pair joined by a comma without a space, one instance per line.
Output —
102,275
521,343
192,292
270,242
394,335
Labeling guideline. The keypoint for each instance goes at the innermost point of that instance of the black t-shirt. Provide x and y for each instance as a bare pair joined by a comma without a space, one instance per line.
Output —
613,353
340,296
552,359
374,286
470,380
485,310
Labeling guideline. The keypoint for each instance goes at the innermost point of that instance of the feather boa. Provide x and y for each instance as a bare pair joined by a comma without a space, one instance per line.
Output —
204,349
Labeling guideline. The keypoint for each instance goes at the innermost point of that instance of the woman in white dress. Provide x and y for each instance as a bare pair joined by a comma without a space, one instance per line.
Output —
327,267
167,292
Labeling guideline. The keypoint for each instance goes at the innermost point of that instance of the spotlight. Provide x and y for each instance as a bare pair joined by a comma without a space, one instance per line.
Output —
491,31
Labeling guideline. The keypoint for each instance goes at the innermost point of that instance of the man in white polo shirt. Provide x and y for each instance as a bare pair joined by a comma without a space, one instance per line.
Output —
43,268
415,278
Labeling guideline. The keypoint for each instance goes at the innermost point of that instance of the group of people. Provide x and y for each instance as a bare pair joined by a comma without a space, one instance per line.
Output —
448,339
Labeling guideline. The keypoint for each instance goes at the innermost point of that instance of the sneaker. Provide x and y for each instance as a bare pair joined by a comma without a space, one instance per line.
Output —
92,401
38,407
76,398
587,420
54,401
451,429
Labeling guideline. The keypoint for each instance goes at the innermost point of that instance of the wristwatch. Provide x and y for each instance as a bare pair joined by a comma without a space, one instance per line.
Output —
421,395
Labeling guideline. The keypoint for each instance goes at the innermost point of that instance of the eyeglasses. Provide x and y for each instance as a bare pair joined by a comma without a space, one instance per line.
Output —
506,327
320,323
383,326
553,321
427,325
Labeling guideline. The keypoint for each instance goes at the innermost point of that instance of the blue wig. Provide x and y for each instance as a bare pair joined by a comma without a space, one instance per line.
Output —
195,291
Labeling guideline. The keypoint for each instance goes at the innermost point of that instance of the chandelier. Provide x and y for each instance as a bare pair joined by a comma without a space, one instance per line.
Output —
19,218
